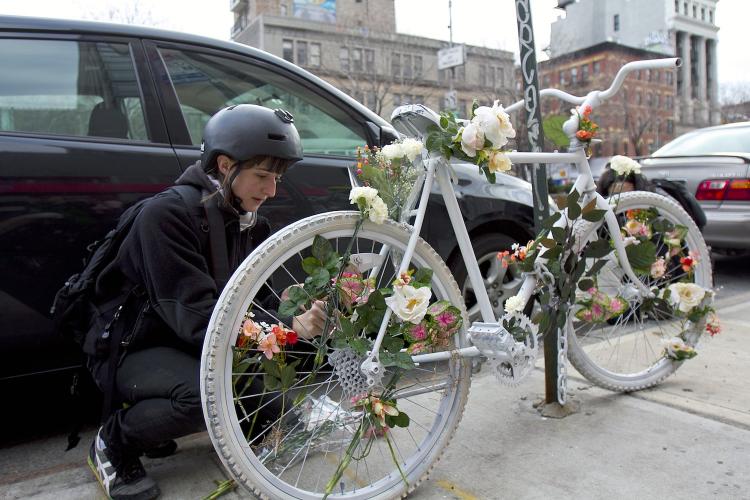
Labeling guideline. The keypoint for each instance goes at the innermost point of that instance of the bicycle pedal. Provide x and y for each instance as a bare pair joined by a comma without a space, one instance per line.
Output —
491,339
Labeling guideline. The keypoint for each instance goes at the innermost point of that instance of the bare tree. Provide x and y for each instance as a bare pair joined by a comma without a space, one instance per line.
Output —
735,102
635,123
126,12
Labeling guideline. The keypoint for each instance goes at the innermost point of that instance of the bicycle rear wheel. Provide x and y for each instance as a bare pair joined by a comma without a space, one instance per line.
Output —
307,429
626,352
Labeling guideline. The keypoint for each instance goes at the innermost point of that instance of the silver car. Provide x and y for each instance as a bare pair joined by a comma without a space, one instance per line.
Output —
714,164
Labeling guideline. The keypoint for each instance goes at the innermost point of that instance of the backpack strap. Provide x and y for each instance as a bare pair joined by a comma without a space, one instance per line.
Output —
216,231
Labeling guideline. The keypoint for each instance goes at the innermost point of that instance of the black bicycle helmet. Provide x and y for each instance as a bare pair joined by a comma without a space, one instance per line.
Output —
243,131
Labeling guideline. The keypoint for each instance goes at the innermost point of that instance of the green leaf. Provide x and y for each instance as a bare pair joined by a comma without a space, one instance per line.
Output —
271,383
573,198
400,420
271,367
641,256
443,122
423,276
288,308
288,375
562,203
552,254
320,278
594,215
559,234
392,344
310,264
433,142
548,242
589,206
585,284
297,294
574,209
548,222
598,265
360,345
321,248
597,249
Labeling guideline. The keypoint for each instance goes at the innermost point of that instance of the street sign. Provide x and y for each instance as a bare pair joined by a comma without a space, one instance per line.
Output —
451,56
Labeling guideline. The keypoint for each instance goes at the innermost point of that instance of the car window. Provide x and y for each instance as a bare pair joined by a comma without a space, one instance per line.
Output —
69,88
701,142
206,83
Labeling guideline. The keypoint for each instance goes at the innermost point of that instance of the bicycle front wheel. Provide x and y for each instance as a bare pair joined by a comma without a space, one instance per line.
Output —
290,443
625,352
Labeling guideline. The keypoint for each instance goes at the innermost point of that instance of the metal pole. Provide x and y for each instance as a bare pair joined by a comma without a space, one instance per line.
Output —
535,135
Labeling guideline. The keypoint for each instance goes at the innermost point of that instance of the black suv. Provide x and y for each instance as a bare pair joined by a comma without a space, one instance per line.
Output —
96,116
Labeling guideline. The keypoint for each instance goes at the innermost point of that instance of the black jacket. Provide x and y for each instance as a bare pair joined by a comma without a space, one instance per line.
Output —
166,259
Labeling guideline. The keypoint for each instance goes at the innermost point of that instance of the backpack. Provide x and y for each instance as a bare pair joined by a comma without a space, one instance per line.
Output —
73,308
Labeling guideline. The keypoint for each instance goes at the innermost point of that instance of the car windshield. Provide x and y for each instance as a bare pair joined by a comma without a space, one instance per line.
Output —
703,142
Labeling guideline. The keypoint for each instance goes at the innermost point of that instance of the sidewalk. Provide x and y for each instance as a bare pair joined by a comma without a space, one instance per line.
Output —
688,438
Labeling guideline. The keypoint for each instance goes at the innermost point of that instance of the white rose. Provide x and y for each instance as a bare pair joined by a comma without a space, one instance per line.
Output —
411,148
686,295
495,123
378,210
514,304
624,165
472,138
364,193
392,151
499,162
409,303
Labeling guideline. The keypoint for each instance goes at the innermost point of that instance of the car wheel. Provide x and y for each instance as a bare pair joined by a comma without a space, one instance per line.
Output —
500,282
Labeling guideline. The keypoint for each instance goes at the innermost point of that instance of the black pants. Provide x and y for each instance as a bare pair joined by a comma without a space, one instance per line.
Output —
161,390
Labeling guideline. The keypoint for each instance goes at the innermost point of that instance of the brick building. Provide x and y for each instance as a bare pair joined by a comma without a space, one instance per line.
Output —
354,45
636,121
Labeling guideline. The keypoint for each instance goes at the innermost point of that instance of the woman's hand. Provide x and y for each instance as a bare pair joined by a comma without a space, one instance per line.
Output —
310,323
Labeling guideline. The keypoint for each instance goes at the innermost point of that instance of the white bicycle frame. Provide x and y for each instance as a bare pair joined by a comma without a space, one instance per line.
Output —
439,169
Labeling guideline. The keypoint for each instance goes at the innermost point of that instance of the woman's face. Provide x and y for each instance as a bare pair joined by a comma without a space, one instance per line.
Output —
252,186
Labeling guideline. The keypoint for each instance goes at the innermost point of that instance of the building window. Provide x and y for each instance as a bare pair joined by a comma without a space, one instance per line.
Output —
545,81
482,75
499,77
670,127
684,8
616,22
356,59
711,16
301,53
677,6
657,101
396,64
574,76
406,66
703,13
282,9
670,102
561,76
649,99
417,66
370,60
584,73
638,98
648,75
344,58
287,50
657,75
638,74
695,11
597,67
315,55
670,78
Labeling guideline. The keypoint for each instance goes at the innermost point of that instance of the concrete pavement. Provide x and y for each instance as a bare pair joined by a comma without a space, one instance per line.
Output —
688,438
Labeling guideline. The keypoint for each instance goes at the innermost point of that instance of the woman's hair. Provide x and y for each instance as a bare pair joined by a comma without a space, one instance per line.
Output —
609,177
277,166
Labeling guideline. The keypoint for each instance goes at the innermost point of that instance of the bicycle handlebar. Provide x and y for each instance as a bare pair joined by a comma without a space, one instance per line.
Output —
601,95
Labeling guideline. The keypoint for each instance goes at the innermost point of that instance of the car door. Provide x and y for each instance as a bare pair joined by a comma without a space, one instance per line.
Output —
81,138
196,82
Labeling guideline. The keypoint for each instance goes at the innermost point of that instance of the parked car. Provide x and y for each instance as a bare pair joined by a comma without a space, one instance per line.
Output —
95,116
713,164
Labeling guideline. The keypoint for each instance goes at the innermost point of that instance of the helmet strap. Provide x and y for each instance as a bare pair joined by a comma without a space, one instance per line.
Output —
234,200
